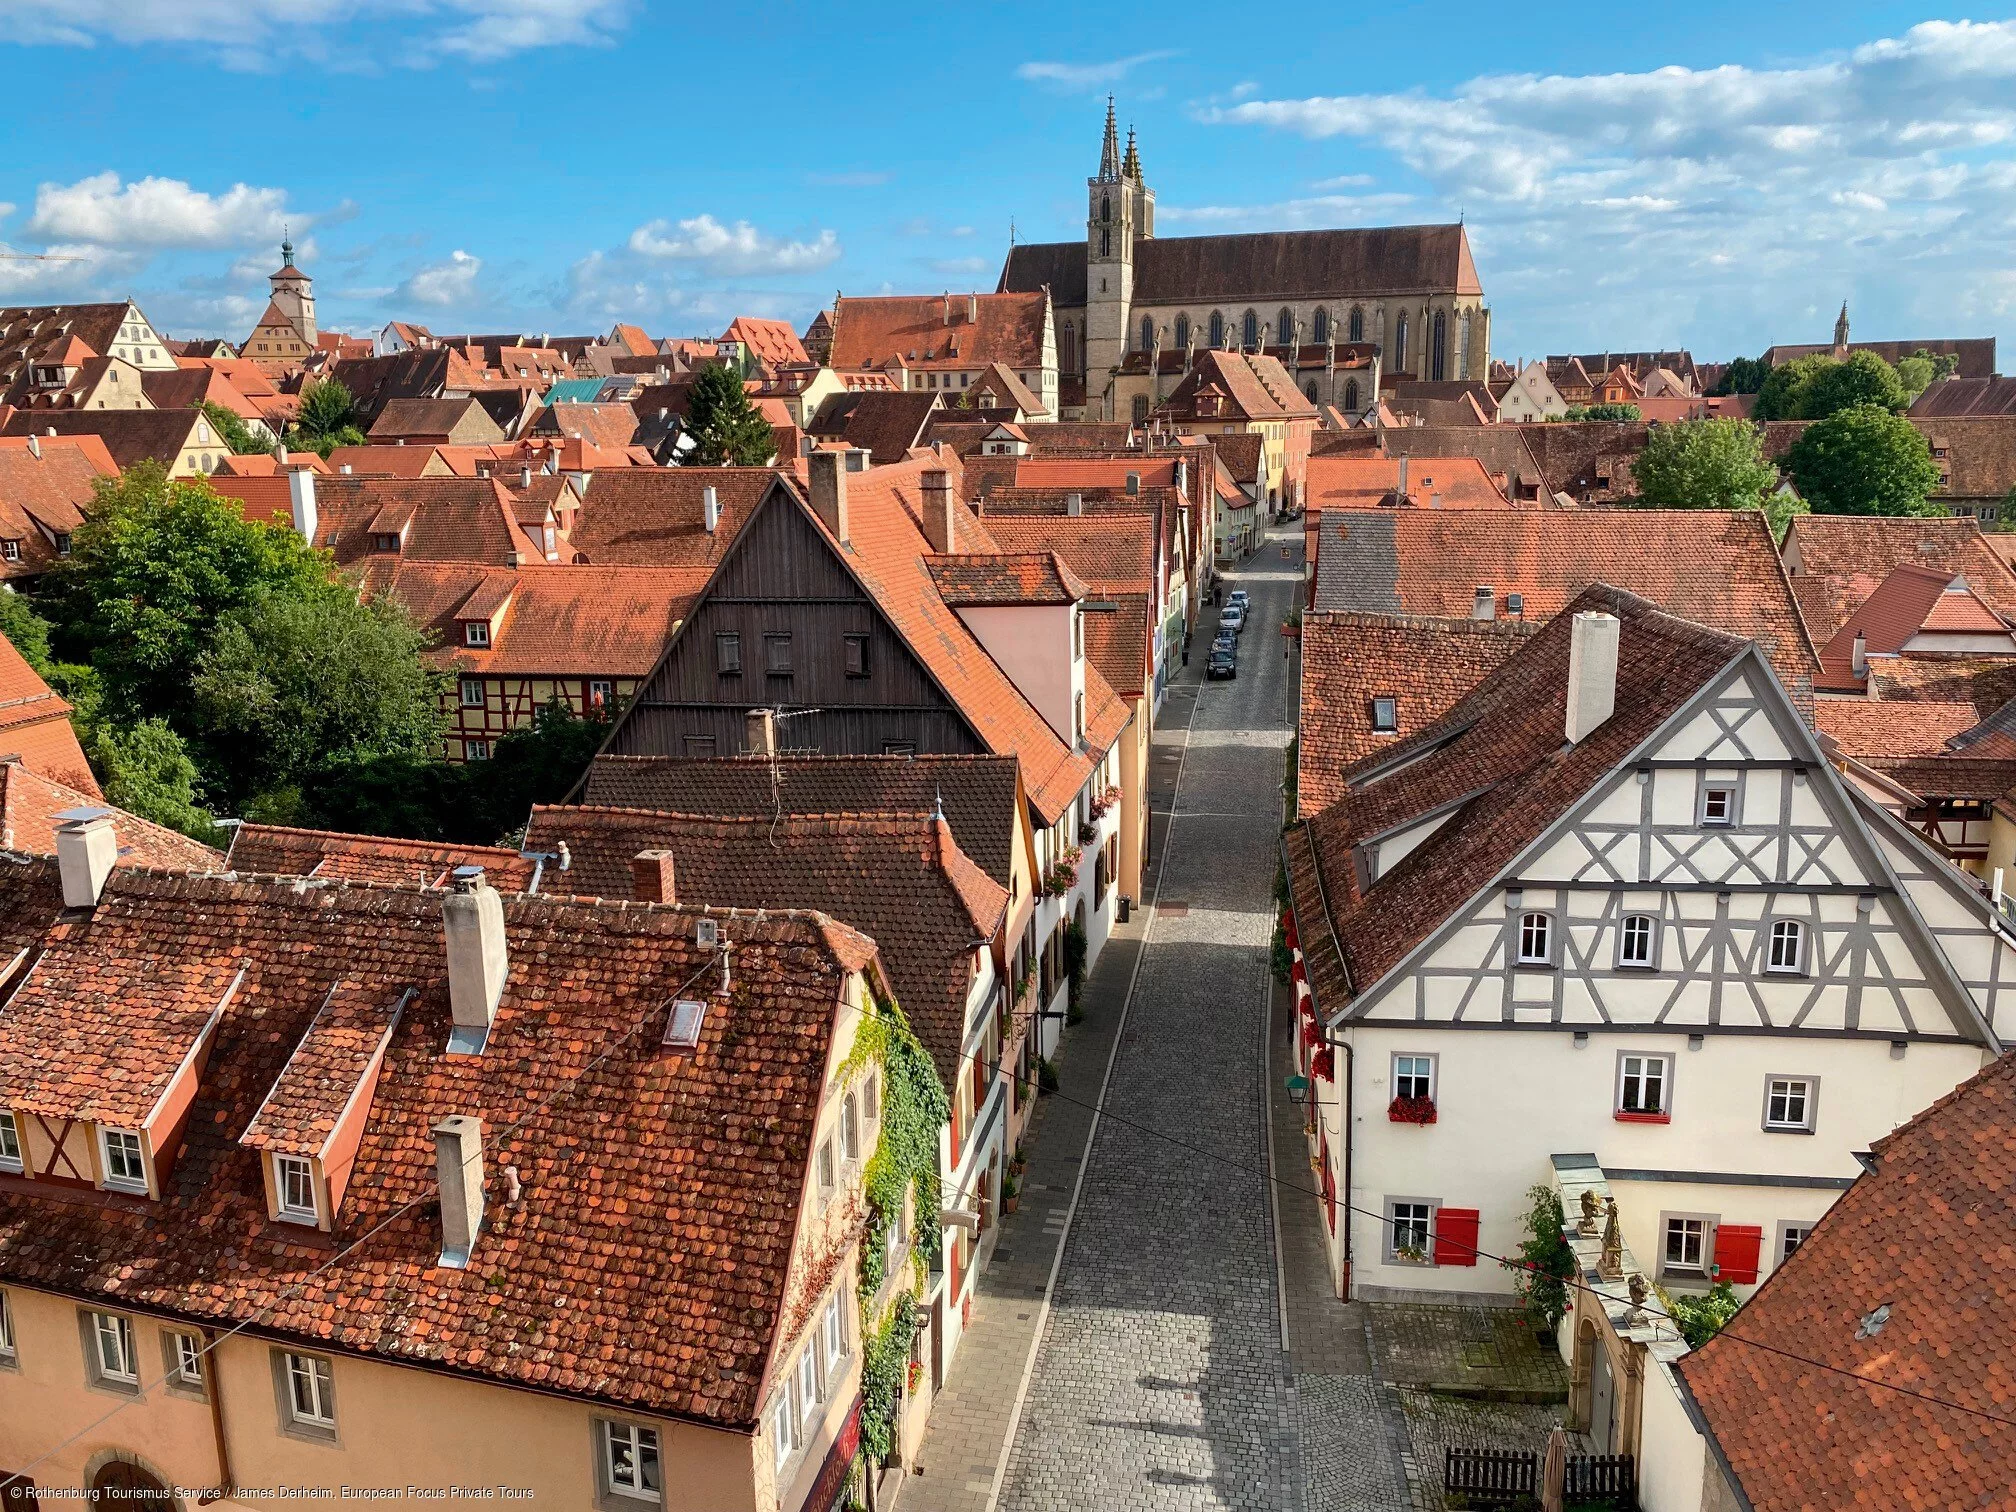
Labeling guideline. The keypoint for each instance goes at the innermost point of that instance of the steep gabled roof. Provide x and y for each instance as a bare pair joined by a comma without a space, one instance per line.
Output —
30,803
774,342
932,330
885,425
129,435
656,516
1247,386
471,520
1499,756
1934,1313
1845,557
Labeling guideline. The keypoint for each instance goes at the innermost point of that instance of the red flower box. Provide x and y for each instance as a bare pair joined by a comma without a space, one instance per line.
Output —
1311,1036
1324,1064
1411,1110
1623,1117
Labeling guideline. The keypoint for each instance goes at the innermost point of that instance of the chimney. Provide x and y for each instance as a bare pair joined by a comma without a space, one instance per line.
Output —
1074,504
472,915
938,510
458,1168
86,848
1401,487
1484,605
1133,485
1592,674
344,468
972,309
710,509
301,501
829,492
759,732
651,877
1183,476
1858,655
1435,500
35,447
525,475
948,307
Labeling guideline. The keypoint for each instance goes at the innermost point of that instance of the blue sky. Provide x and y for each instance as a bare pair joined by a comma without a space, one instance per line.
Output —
1716,175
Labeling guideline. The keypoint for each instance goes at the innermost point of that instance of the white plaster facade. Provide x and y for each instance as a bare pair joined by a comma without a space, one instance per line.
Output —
1531,396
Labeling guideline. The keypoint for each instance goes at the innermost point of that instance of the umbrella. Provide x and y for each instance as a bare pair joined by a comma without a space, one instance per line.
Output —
1554,1473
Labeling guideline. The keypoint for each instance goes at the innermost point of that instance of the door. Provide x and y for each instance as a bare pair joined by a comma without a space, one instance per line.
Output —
1602,1389
122,1485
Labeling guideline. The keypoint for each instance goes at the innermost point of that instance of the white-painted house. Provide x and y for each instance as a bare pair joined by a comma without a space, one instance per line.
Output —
1531,395
1615,908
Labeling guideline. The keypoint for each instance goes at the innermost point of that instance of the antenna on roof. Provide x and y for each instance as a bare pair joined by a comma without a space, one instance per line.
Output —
937,803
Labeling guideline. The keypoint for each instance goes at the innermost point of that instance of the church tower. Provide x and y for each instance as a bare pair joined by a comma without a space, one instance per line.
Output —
1120,208
1841,332
294,293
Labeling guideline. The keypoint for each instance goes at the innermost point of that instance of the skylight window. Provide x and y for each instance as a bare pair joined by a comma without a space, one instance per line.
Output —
682,1030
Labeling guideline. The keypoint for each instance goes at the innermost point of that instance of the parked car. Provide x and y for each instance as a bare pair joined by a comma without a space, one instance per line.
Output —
1223,663
1225,640
1232,618
1239,598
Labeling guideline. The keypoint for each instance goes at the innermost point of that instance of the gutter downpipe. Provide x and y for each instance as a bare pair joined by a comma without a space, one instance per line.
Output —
1329,1038
215,1382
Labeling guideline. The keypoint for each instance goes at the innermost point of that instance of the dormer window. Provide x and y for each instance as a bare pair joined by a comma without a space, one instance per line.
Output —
125,1165
10,550
384,541
476,633
294,1185
10,1145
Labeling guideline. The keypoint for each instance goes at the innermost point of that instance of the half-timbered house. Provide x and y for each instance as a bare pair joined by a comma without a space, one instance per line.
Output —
1615,908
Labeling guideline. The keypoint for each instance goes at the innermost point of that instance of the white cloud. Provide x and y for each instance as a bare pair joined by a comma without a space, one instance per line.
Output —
1315,210
1077,77
1837,174
253,33
959,267
156,212
733,249
446,283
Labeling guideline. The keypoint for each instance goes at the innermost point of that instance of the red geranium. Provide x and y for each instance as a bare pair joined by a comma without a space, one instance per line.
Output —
1324,1064
1411,1110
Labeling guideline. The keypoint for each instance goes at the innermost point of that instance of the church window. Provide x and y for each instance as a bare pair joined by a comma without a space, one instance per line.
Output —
1438,361
1105,244
1140,409
1319,328
1400,343
1351,396
1217,329
1249,330
1309,390
1147,333
1105,207
1357,326
1182,330
1284,327
1067,348
1463,346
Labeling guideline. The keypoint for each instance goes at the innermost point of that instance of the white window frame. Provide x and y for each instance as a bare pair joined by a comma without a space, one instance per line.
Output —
825,1169
9,1351
1644,1059
809,1388
1802,1227
1808,1099
1726,787
118,1367
1649,961
475,750
1797,931
13,1157
850,1129
1413,1073
285,1167
118,1181
182,1354
601,695
1429,1207
1706,1223
833,1334
639,1441
473,696
1532,921
476,633
319,1377
784,1427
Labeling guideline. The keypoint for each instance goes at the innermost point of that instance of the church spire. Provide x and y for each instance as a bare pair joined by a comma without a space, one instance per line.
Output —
1109,151
1841,326
1130,165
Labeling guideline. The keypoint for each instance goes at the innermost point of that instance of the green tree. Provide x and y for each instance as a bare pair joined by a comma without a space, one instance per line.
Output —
153,568
1922,369
2005,513
726,429
1603,412
326,419
146,770
1744,375
1546,1263
1864,460
291,683
1782,395
1703,464
1864,378
539,763
27,630
240,437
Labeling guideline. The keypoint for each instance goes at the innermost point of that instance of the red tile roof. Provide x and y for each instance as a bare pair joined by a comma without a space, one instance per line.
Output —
1871,727
35,725
773,341
1114,555
1908,1280
1345,482
278,850
30,803
656,516
1845,557
1423,665
1051,471
933,331
327,1069
1003,578
899,878
45,496
129,436
470,520
644,1260
612,427
1247,386
1909,602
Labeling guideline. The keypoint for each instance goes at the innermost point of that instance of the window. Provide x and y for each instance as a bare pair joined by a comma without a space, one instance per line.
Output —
112,1350
855,648
1536,939
1414,1076
62,543
1790,1237
1147,333
10,1144
1183,330
1386,714
1105,207
476,633
783,1426
728,654
6,1331
1105,248
472,692
124,1167
1408,1225
850,1129
825,1164
833,1334
1217,328
1067,348
1718,803
1788,946
871,1097
1636,939
311,1391
1642,1086
384,541
601,693
10,549
1685,1248
1284,327
294,1181
1791,1103
899,748
630,1461
476,750
1319,328
777,653
1249,330
1140,409
184,1353
809,1384
701,746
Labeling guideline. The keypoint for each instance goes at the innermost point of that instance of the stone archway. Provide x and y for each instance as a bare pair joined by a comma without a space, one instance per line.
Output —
1580,1370
122,1483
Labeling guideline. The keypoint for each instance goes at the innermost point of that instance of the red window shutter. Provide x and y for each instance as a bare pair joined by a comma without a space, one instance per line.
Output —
1456,1236
1736,1249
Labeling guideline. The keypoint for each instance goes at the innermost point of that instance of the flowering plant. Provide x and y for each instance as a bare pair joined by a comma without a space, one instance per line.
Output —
1063,873
1323,1065
1411,1110
1100,806
1311,1035
916,1373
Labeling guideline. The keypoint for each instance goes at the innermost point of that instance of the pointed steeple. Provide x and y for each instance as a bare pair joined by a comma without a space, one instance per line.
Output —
1109,151
286,248
1130,165
1841,326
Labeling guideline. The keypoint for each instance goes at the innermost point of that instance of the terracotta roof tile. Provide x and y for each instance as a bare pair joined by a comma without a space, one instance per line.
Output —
278,850
934,331
1845,557
468,520
129,435
656,516
885,425
347,1036
609,426
31,802
1869,727
1022,577
35,725
1357,483
774,342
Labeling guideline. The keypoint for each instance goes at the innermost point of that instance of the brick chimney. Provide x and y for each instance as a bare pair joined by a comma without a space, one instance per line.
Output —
458,1170
1484,604
759,732
829,492
1592,674
938,510
87,847
472,918
651,877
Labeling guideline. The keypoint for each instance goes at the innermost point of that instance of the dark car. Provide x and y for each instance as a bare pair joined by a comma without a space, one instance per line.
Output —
1223,663
1226,640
